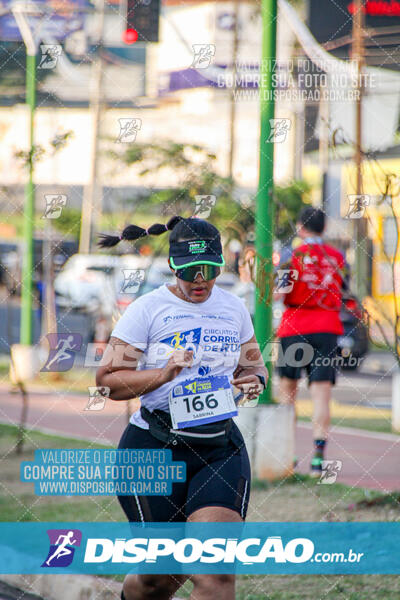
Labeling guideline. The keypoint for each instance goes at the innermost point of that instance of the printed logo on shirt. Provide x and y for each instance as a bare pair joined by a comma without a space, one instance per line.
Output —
185,340
221,340
170,318
204,370
219,317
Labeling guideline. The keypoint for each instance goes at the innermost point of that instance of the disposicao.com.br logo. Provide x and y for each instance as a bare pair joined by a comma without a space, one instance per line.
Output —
191,550
241,548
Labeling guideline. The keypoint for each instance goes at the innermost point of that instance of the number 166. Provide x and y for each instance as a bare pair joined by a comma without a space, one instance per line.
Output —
198,404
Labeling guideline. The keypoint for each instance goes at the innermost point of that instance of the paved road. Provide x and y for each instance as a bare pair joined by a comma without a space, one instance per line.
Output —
369,459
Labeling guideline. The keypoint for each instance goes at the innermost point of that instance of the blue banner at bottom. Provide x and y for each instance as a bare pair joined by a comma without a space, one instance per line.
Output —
190,548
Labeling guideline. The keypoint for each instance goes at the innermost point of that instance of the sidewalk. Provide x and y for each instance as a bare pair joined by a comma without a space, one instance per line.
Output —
378,363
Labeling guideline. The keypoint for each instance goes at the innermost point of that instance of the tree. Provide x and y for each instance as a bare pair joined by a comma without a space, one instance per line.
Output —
193,168
289,201
12,72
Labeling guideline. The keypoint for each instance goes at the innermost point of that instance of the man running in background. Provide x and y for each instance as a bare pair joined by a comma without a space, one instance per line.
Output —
311,317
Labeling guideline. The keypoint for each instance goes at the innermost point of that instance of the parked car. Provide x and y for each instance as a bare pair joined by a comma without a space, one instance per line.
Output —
99,282
11,255
157,274
246,291
10,265
227,280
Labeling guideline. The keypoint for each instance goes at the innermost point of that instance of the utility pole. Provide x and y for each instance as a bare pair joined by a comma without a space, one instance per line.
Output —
232,117
92,191
324,149
264,207
49,318
30,39
360,225
26,333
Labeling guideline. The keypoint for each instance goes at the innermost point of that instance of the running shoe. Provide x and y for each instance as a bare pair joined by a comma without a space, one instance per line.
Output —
316,466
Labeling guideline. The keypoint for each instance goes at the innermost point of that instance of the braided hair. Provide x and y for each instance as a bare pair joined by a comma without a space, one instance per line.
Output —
182,230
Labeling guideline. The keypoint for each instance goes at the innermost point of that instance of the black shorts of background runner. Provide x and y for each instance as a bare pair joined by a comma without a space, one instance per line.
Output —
324,346
218,476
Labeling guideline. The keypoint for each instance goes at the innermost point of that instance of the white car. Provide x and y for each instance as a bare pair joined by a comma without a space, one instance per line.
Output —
246,291
227,281
97,282
157,274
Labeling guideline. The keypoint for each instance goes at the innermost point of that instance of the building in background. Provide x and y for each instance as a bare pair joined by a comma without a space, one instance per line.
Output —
174,96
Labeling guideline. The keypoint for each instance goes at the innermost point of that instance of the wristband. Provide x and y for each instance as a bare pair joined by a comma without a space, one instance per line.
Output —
262,380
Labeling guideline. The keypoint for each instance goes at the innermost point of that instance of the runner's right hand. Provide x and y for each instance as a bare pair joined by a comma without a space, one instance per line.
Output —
179,360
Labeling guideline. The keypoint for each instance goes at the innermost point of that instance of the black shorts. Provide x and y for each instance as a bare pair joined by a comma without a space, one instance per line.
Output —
320,360
218,476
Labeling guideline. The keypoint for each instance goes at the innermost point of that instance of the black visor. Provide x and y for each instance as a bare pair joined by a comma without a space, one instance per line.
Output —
196,252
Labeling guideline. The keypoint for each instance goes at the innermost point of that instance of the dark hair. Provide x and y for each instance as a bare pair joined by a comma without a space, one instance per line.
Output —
312,219
181,230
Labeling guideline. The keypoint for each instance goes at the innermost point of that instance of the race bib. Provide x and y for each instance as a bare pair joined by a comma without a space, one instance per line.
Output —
200,401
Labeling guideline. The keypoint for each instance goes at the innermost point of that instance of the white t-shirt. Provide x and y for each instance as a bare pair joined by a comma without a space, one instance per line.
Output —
159,322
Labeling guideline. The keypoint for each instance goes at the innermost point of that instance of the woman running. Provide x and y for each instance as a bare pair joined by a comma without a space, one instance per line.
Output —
192,332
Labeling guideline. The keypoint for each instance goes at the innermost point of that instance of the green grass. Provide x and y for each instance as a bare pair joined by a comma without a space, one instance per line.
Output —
4,368
75,381
18,501
313,587
376,424
297,498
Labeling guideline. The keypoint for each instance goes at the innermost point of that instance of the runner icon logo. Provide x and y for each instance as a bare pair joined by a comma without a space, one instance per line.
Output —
54,205
97,397
62,547
50,55
286,279
204,204
357,205
128,129
186,340
133,278
63,347
330,471
203,54
279,129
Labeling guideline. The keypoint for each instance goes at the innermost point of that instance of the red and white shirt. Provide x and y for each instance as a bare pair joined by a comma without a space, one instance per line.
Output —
313,304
